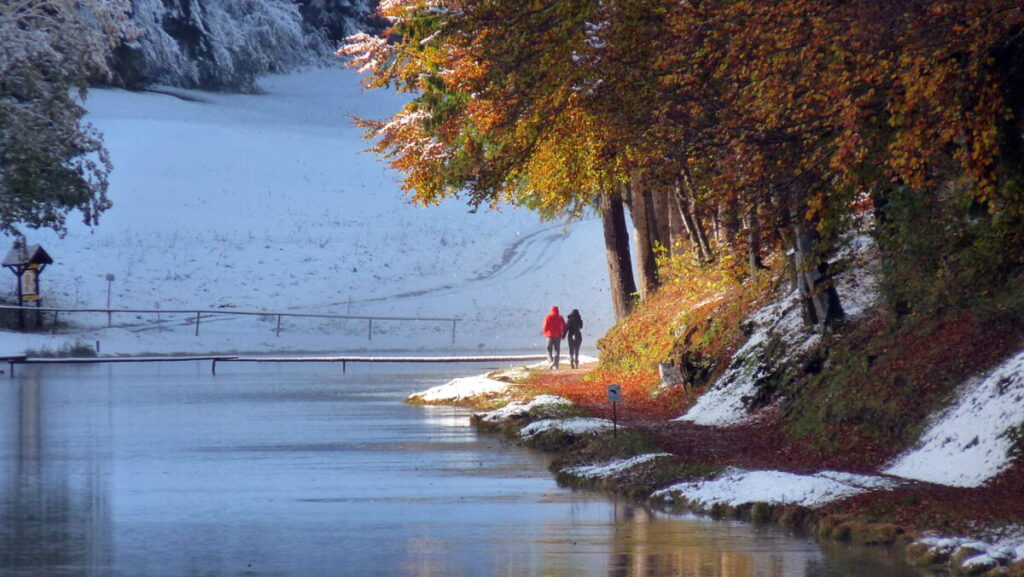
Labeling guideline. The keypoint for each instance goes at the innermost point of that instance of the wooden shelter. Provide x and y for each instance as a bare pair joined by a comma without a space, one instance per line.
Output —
27,262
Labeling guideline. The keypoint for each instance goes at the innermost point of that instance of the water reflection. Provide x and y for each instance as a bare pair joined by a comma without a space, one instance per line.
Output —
54,504
170,471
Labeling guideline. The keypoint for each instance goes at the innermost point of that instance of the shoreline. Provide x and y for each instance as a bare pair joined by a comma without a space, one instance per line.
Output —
591,453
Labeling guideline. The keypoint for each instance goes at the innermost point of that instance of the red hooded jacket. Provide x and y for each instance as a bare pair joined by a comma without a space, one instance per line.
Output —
554,324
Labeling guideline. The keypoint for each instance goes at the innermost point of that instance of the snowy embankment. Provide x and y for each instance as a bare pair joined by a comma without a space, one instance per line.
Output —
973,440
570,426
967,445
615,468
463,389
491,386
520,409
722,405
738,487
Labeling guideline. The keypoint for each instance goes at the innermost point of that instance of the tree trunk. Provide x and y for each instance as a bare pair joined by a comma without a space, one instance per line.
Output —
616,244
754,249
728,224
682,206
819,295
643,222
684,202
662,217
676,229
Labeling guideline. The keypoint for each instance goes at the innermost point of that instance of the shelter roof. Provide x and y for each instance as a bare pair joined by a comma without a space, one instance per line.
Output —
21,254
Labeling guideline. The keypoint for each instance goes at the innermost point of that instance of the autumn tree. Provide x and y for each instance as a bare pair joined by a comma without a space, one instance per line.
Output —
497,117
762,123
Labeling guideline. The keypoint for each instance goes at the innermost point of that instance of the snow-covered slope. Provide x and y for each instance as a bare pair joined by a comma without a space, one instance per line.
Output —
723,403
268,203
974,439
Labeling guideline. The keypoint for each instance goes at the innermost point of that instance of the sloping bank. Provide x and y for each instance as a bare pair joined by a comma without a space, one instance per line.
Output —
967,445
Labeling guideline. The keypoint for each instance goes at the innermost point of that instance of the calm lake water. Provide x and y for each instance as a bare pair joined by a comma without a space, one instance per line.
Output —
163,469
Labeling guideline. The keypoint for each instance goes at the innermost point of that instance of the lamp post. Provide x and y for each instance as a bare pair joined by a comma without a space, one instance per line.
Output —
110,281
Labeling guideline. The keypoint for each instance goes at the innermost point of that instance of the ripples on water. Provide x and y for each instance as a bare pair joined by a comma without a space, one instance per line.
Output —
166,470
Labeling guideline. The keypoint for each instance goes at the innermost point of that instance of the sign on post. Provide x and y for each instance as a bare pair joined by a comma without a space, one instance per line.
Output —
614,393
614,396
30,284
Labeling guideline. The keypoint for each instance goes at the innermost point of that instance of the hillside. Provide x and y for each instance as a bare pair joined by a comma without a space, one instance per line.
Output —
267,203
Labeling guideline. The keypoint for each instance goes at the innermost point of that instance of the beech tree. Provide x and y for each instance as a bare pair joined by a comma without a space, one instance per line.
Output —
762,122
496,119
51,161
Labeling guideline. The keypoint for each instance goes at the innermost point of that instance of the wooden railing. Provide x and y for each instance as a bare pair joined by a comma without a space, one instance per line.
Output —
214,359
198,315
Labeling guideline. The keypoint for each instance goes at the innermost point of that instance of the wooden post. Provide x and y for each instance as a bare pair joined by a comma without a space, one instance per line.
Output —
53,329
21,303
453,330
278,325
615,420
197,323
369,330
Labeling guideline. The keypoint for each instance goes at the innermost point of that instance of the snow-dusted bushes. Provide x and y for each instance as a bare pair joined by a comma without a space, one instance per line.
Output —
227,44
337,19
222,44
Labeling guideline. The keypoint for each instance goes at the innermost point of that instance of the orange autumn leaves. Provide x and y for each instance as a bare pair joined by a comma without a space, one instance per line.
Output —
591,395
769,106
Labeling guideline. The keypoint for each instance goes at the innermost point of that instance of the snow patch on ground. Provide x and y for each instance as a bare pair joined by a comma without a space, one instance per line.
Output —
1001,551
722,404
517,409
615,468
970,442
739,487
574,426
461,389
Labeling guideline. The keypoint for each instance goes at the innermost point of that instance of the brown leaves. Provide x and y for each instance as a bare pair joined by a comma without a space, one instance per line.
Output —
768,105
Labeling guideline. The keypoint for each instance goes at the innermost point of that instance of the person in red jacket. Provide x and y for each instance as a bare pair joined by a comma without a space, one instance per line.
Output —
554,330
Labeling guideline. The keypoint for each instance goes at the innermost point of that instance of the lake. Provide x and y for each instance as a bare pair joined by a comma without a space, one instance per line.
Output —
163,469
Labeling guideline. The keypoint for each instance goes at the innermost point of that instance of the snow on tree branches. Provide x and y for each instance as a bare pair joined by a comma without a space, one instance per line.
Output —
51,161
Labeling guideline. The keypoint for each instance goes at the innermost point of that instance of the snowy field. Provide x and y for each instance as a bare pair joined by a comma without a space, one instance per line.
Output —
268,203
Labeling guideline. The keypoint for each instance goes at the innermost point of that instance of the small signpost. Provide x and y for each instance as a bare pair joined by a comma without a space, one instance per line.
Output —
110,281
614,396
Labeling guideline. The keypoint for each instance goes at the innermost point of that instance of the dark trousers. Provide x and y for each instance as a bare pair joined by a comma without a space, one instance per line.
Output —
554,351
575,340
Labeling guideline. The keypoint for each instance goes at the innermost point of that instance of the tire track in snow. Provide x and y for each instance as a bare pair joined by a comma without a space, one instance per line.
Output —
523,257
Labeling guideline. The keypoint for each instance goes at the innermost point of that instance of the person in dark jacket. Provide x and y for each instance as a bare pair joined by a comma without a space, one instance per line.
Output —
573,330
554,330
